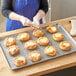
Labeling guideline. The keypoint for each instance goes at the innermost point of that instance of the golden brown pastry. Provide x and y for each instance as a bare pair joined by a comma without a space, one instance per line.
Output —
30,45
65,45
20,61
23,36
9,41
38,32
43,41
58,36
35,56
14,49
50,50
51,29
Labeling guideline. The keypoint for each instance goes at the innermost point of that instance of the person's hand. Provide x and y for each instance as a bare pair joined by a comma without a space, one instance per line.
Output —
36,20
39,15
25,21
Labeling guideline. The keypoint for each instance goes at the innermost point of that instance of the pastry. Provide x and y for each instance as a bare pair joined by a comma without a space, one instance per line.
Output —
58,36
9,41
14,49
38,32
51,29
30,45
50,50
35,56
23,36
43,41
20,61
65,45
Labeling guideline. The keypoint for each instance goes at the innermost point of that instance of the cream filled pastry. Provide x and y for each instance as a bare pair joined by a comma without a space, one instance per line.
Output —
14,49
23,36
35,56
9,41
58,36
65,45
30,45
38,32
43,41
20,61
52,29
50,50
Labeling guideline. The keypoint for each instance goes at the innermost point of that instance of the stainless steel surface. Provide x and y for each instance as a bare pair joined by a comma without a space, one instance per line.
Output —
24,52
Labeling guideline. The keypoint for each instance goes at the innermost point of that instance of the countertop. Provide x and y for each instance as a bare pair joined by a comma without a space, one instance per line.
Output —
44,67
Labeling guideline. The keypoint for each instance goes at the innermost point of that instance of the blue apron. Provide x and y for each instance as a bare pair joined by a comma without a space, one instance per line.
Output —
27,8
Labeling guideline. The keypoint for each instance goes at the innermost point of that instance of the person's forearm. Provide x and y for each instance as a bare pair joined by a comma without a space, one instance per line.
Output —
25,21
15,16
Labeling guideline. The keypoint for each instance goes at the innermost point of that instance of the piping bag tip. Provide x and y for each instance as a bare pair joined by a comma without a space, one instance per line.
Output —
35,25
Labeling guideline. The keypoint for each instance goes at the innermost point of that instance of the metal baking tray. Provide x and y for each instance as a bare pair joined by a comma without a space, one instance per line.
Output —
24,52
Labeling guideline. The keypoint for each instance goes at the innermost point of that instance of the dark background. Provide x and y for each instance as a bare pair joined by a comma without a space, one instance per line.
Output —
65,72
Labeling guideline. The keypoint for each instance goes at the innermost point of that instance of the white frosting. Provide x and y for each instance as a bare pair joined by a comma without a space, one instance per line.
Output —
10,39
43,40
50,49
35,54
31,43
21,58
66,44
53,28
22,36
12,49
58,35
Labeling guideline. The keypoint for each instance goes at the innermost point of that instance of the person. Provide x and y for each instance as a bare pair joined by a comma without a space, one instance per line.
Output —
20,13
